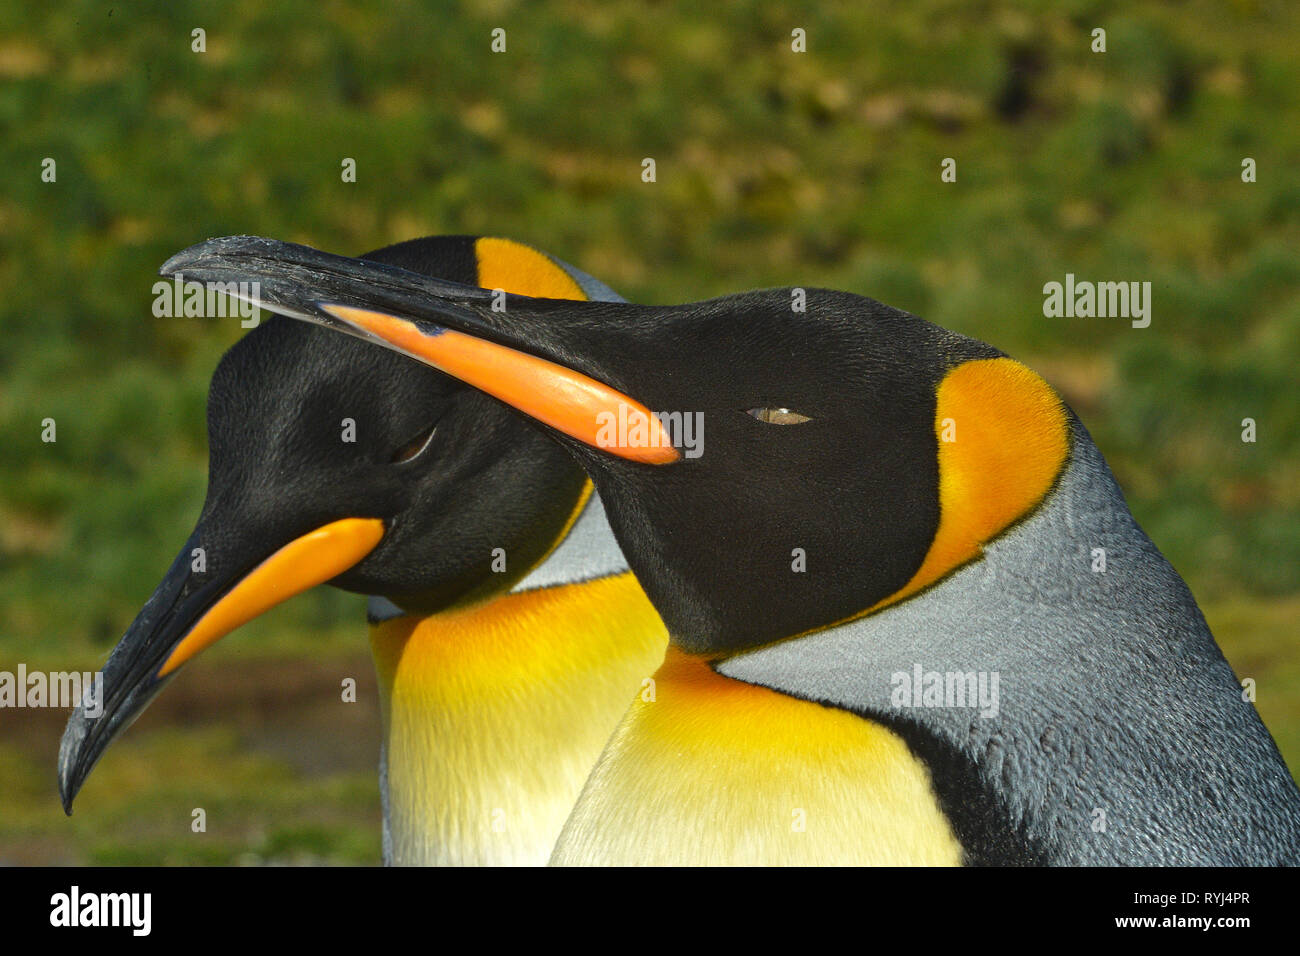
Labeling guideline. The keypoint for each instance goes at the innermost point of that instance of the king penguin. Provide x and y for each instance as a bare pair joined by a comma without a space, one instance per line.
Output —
878,500
508,633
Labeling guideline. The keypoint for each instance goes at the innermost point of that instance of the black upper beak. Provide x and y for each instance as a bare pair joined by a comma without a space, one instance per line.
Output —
192,608
130,678
293,280
296,281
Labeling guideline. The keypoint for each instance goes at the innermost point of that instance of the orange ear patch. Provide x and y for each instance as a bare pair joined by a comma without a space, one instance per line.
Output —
1003,440
522,270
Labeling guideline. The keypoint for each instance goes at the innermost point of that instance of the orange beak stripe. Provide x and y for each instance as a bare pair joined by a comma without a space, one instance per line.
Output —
566,400
301,564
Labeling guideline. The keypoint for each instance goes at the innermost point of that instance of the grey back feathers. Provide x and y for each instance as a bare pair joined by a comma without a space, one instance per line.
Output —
589,551
386,832
595,290
1121,735
379,609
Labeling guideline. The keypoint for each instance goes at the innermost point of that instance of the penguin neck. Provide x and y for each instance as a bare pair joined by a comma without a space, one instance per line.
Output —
494,713
1111,731
585,551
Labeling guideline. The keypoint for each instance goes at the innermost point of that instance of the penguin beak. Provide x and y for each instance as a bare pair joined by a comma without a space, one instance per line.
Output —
563,398
389,306
190,610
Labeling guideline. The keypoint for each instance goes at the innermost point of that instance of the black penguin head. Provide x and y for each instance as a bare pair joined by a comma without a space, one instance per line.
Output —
818,480
307,428
333,461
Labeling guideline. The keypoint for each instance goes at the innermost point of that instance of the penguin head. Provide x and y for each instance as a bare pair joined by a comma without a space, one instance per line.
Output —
307,428
846,454
333,461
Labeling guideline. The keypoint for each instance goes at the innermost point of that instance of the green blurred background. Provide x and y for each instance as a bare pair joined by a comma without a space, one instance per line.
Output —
774,168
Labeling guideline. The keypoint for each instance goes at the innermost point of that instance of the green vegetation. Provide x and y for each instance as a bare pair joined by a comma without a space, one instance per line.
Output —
256,809
773,168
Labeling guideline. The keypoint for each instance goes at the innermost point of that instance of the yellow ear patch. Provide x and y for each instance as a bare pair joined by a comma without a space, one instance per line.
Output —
522,270
1003,440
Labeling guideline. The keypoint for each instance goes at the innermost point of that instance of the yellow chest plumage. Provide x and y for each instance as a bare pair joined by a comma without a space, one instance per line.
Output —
710,770
495,714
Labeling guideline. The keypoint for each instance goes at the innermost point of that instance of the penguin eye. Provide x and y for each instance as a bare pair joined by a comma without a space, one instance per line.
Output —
778,416
415,447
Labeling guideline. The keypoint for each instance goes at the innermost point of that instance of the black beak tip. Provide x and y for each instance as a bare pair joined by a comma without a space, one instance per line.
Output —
72,762
129,679
187,258
68,787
